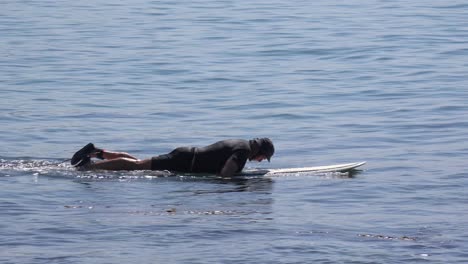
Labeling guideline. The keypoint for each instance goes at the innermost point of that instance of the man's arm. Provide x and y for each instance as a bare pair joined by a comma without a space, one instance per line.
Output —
230,168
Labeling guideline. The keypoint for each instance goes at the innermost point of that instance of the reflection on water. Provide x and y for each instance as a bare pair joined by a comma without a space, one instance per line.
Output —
261,185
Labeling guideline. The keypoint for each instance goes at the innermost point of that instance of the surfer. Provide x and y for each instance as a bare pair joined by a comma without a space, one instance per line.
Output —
224,158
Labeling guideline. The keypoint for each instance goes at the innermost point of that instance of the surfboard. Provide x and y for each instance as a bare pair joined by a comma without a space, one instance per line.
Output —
345,167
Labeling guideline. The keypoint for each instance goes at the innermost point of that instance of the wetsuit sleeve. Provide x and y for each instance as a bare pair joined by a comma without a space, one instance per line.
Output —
234,164
229,169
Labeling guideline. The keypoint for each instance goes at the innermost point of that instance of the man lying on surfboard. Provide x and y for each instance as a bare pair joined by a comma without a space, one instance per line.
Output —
224,158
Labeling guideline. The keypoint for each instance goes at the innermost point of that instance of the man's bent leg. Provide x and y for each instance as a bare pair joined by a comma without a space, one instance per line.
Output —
122,164
109,155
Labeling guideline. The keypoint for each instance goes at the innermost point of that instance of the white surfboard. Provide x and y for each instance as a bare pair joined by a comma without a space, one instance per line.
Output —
318,169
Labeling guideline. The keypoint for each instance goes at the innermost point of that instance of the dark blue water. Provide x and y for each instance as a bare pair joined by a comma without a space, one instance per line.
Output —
329,82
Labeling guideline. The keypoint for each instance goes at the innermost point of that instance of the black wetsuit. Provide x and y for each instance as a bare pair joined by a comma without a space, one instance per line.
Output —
209,159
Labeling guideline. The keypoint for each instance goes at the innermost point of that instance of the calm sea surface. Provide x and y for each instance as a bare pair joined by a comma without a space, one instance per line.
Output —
328,81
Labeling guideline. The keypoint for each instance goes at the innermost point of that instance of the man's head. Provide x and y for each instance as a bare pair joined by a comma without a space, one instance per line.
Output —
265,149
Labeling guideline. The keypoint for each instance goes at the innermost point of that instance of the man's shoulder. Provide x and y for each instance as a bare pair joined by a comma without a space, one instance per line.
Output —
227,144
236,143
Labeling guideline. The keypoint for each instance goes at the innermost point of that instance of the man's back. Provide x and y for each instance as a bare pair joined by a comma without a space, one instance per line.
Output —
212,158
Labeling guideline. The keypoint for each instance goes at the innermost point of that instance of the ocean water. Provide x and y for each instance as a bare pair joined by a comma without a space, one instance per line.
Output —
328,81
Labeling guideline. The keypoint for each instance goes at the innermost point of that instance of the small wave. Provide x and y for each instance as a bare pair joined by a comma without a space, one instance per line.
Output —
60,168
31,165
174,211
27,164
455,6
384,237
